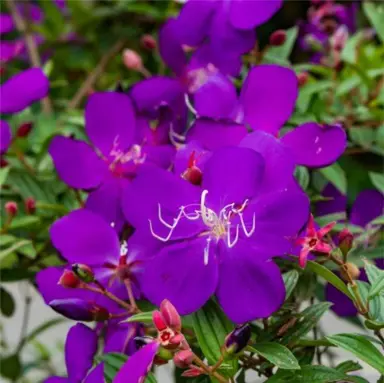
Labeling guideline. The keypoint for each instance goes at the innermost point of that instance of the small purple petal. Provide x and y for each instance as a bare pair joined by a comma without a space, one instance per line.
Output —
315,145
10,49
77,163
56,379
138,365
252,277
213,135
342,305
268,97
22,90
6,23
84,237
160,155
96,375
110,121
80,348
245,14
368,205
5,136
119,338
178,273
336,204
73,308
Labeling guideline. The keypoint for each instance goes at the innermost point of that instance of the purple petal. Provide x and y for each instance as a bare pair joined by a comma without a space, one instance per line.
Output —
178,273
242,278
141,204
10,49
84,237
119,338
56,379
170,48
245,14
5,136
336,204
110,121
96,375
106,202
342,305
279,163
232,175
6,23
80,348
213,135
368,205
316,145
268,97
138,365
77,163
73,308
216,98
22,90
193,22
160,155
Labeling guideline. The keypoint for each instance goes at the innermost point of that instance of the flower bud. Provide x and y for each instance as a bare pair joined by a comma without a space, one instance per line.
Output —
192,372
30,205
69,280
193,175
345,241
183,359
148,42
170,315
83,272
237,339
164,354
24,129
158,321
11,208
3,162
132,60
278,38
302,78
351,270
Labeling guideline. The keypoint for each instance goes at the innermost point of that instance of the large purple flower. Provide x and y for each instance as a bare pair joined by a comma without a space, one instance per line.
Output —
219,239
80,349
115,158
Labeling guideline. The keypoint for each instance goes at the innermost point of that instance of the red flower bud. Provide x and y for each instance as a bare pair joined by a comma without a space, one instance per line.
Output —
302,78
24,129
83,272
193,175
11,208
158,321
3,162
345,241
192,372
30,205
132,60
183,359
69,280
148,42
100,313
170,315
278,38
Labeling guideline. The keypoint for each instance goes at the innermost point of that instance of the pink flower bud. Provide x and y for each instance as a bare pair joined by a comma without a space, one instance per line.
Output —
170,315
192,372
148,42
132,60
183,359
345,241
83,272
69,280
30,205
158,321
302,78
24,129
278,38
11,208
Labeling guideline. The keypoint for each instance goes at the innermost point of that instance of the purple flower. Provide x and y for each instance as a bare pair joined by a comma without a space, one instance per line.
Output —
5,136
219,239
80,349
111,127
22,90
138,365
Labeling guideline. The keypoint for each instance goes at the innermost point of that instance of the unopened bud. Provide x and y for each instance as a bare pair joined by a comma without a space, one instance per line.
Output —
302,78
192,372
3,162
30,205
148,42
24,129
158,321
349,270
164,354
193,175
183,359
132,60
237,339
278,38
83,272
69,280
345,241
170,314
11,208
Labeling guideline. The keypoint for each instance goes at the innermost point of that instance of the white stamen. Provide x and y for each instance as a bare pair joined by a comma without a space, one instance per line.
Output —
123,248
206,251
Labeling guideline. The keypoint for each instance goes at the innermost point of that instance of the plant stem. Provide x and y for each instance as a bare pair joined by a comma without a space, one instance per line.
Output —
208,370
131,297
26,315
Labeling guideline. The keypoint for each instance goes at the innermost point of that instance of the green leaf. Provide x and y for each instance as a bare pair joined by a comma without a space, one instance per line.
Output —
373,272
378,221
4,174
112,364
211,327
362,136
302,176
282,52
7,304
12,275
24,246
308,91
377,180
277,354
10,367
375,15
145,317
325,219
290,281
360,347
335,175
377,287
348,366
329,276
306,321
25,221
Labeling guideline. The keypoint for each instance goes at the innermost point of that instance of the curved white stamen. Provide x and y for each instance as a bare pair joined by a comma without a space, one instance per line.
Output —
243,225
189,105
229,242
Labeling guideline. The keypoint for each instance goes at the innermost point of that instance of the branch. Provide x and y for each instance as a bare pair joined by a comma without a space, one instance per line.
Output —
30,43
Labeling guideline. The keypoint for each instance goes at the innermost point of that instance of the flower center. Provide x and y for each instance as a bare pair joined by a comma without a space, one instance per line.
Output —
312,242
219,226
